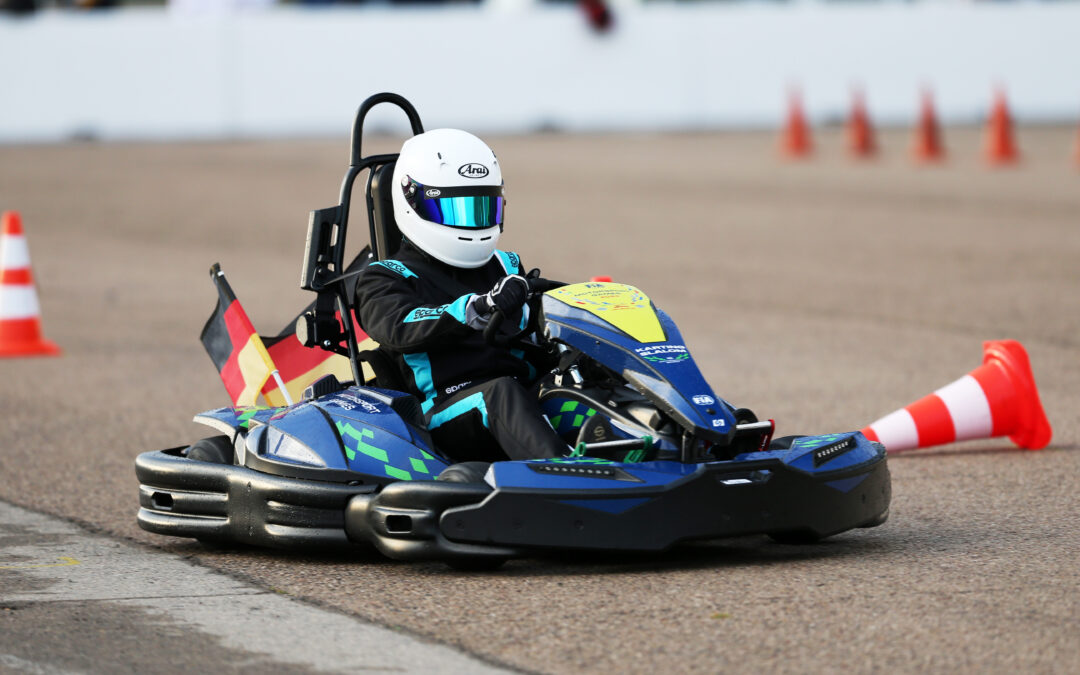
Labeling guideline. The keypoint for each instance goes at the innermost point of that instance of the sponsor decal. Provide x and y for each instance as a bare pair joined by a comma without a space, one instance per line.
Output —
704,399
663,353
396,267
718,423
458,387
349,401
432,193
473,170
423,313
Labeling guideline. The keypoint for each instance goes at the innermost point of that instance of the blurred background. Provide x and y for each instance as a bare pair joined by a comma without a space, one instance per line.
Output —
216,69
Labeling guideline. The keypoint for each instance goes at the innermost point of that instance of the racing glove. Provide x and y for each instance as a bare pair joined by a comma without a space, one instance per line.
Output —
507,295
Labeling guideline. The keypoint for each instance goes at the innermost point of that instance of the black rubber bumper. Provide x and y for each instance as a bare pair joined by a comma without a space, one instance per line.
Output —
438,520
223,502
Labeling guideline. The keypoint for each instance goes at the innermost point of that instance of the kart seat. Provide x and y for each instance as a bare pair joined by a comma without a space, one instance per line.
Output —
386,237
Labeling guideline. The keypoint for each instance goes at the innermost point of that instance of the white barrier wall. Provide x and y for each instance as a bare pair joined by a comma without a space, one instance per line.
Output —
149,73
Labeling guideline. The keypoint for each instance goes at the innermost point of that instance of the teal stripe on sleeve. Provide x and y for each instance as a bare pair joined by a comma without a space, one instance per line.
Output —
455,309
511,262
395,266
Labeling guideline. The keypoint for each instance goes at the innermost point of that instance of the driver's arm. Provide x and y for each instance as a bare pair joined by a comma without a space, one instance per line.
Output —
395,317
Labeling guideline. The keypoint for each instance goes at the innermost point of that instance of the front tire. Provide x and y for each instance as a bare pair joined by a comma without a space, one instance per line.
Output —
216,450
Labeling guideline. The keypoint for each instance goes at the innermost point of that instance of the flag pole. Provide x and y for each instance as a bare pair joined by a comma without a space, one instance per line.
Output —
281,387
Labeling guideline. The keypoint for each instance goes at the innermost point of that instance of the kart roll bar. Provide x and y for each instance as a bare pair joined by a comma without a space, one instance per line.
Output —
324,255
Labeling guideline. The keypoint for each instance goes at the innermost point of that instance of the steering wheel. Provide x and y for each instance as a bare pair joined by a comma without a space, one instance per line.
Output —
492,333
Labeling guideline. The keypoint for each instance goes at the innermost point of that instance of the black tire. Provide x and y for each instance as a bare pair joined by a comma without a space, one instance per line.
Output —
464,472
216,449
744,416
795,537
784,442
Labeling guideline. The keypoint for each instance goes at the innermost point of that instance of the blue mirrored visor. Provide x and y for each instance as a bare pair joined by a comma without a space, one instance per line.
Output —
467,207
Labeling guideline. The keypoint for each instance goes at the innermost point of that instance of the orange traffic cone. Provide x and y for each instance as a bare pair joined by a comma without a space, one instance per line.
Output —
20,324
927,146
795,142
1000,148
999,398
859,129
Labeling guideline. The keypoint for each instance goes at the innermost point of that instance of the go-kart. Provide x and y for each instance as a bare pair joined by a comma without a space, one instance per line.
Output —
658,457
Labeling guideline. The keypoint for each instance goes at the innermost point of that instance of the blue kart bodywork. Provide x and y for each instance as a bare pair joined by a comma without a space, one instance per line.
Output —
356,465
659,458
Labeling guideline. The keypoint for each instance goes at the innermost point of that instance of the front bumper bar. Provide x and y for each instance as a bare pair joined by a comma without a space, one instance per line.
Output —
432,520
413,520
223,502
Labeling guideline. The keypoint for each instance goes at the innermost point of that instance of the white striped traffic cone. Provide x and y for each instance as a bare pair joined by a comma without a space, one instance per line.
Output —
20,314
999,398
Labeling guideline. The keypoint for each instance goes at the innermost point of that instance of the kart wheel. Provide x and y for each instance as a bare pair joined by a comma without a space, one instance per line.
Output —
464,472
795,537
745,416
479,564
216,449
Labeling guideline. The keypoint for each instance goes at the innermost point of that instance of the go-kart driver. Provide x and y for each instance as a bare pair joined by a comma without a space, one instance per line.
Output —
429,305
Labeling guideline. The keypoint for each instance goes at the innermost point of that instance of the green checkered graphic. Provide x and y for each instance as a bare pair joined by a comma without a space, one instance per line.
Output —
244,418
417,465
346,430
579,411
813,442
578,459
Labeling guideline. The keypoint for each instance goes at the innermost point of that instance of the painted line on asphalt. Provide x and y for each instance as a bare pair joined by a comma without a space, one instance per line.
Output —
50,562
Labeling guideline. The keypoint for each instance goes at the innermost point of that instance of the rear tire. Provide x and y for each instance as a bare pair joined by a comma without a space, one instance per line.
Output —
795,537
216,450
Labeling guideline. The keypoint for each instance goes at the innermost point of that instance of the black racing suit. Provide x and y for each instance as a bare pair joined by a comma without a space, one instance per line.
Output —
474,395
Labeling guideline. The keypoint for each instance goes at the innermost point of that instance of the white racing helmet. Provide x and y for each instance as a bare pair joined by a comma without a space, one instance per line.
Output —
448,196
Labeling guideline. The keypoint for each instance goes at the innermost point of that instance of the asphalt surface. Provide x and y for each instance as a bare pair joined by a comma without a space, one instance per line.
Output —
74,602
822,294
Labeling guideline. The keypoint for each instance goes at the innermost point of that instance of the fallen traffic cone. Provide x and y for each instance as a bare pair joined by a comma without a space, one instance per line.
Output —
1000,148
795,142
927,146
20,325
999,398
859,129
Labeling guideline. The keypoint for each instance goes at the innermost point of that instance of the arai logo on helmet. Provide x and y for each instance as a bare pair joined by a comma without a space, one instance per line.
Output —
473,170
432,193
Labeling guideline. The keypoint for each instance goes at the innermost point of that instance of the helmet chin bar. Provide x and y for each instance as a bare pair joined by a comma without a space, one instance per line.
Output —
455,247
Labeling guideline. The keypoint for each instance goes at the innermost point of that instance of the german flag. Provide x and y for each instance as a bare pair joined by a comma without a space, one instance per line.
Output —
233,345
299,365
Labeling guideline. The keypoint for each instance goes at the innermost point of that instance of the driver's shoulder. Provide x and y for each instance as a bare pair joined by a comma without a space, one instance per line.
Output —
509,261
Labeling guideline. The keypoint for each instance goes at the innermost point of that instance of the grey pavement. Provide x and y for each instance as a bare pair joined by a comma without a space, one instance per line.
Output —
75,602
